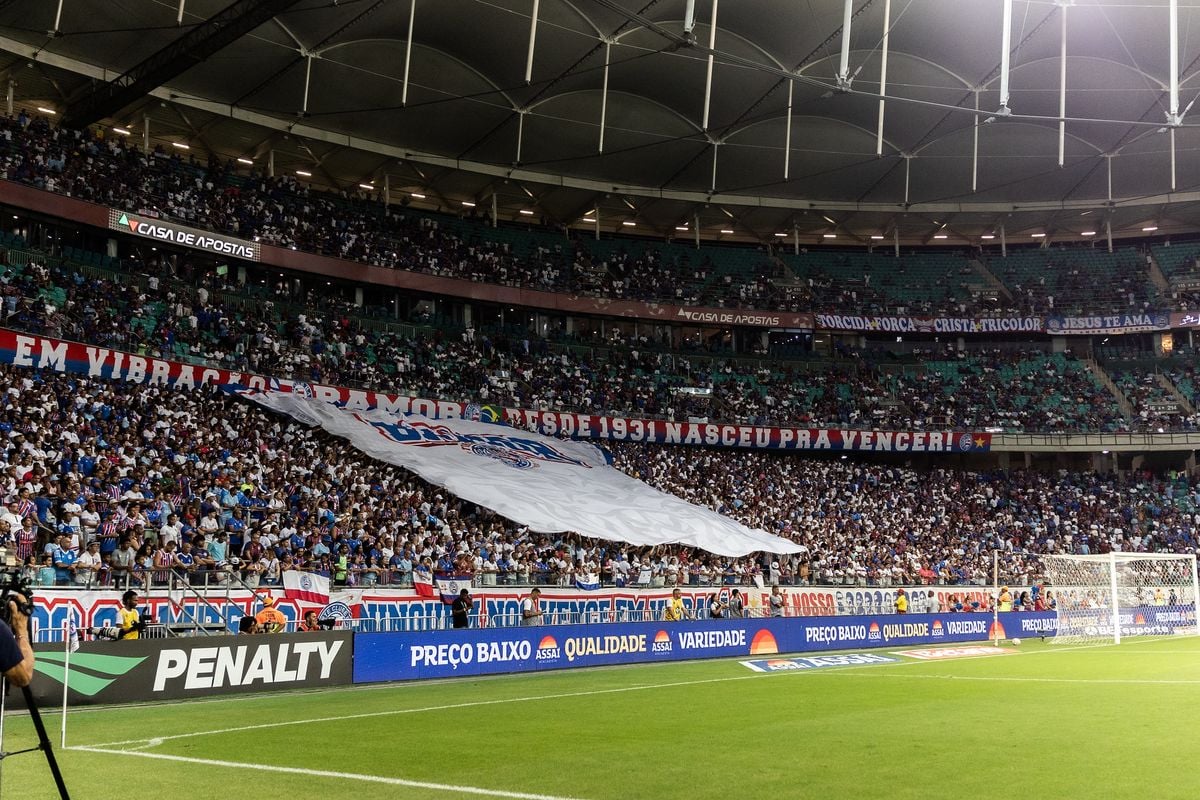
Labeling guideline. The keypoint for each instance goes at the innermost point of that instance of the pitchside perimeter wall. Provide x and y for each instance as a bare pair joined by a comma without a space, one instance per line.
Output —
172,669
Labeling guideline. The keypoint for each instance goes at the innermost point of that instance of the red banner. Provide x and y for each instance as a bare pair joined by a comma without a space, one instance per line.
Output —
39,352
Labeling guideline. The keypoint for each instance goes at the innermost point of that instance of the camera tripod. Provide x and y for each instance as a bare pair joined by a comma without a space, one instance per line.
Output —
43,740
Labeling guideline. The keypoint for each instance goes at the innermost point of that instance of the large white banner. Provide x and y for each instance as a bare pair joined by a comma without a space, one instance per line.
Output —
547,484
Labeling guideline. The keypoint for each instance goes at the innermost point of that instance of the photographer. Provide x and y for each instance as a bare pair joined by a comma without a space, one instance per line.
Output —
16,654
130,623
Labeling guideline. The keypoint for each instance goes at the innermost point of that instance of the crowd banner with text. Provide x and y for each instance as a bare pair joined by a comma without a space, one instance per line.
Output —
382,609
887,324
40,352
435,654
549,485
1108,324
148,670
45,353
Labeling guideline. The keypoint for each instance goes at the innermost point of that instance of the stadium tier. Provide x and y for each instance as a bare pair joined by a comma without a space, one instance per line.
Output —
214,486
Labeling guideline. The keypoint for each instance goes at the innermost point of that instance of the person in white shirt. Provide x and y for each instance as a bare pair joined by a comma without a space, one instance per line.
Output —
170,531
87,568
531,609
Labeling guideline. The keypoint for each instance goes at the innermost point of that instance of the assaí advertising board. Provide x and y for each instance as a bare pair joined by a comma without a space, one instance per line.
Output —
443,654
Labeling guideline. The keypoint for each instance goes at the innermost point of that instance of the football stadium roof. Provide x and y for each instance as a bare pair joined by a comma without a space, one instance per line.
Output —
854,118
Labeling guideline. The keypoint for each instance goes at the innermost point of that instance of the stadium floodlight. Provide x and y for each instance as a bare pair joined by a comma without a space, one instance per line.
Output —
1099,598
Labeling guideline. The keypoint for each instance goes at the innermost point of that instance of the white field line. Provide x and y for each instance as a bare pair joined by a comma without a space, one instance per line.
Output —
157,740
320,773
1011,678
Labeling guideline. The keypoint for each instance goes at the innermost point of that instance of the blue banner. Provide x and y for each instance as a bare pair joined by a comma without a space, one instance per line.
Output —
441,654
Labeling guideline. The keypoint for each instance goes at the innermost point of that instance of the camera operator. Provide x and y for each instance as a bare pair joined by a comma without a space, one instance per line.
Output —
16,654
130,622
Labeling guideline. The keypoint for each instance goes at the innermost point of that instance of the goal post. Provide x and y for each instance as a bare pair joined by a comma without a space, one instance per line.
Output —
1100,598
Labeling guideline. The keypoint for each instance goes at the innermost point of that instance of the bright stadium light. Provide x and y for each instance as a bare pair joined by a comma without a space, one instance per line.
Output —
246,161
876,236
1088,233
828,235
589,219
45,110
303,173
940,236
418,196
525,212
726,230
181,145
681,227
629,223
1038,235
1150,228
988,236
468,204
122,131
366,186
781,235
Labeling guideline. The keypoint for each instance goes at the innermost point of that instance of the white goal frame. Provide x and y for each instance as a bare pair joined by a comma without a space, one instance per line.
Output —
1113,608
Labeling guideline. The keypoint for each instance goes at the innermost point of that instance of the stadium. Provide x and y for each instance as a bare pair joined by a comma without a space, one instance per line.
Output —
582,399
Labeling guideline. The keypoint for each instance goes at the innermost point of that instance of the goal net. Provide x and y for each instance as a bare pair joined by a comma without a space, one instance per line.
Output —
1102,598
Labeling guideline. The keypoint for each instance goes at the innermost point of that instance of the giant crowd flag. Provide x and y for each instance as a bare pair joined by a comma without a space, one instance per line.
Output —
547,484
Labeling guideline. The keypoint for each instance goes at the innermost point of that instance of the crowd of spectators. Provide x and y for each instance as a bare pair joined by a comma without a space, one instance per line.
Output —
355,225
324,340
108,483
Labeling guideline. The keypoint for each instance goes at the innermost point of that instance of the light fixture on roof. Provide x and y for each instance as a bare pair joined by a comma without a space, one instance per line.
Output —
418,196
525,212
1038,235
589,219
629,223
877,236
681,227
45,110
468,203
988,236
1149,228
122,131
940,236
726,230
248,162
367,186
303,173
181,145
828,235
1088,233
781,235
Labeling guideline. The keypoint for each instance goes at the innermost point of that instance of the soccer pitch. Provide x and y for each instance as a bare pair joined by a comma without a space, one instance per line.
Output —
1038,720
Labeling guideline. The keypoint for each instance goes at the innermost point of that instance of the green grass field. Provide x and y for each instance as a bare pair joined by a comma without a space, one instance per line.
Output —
1042,721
